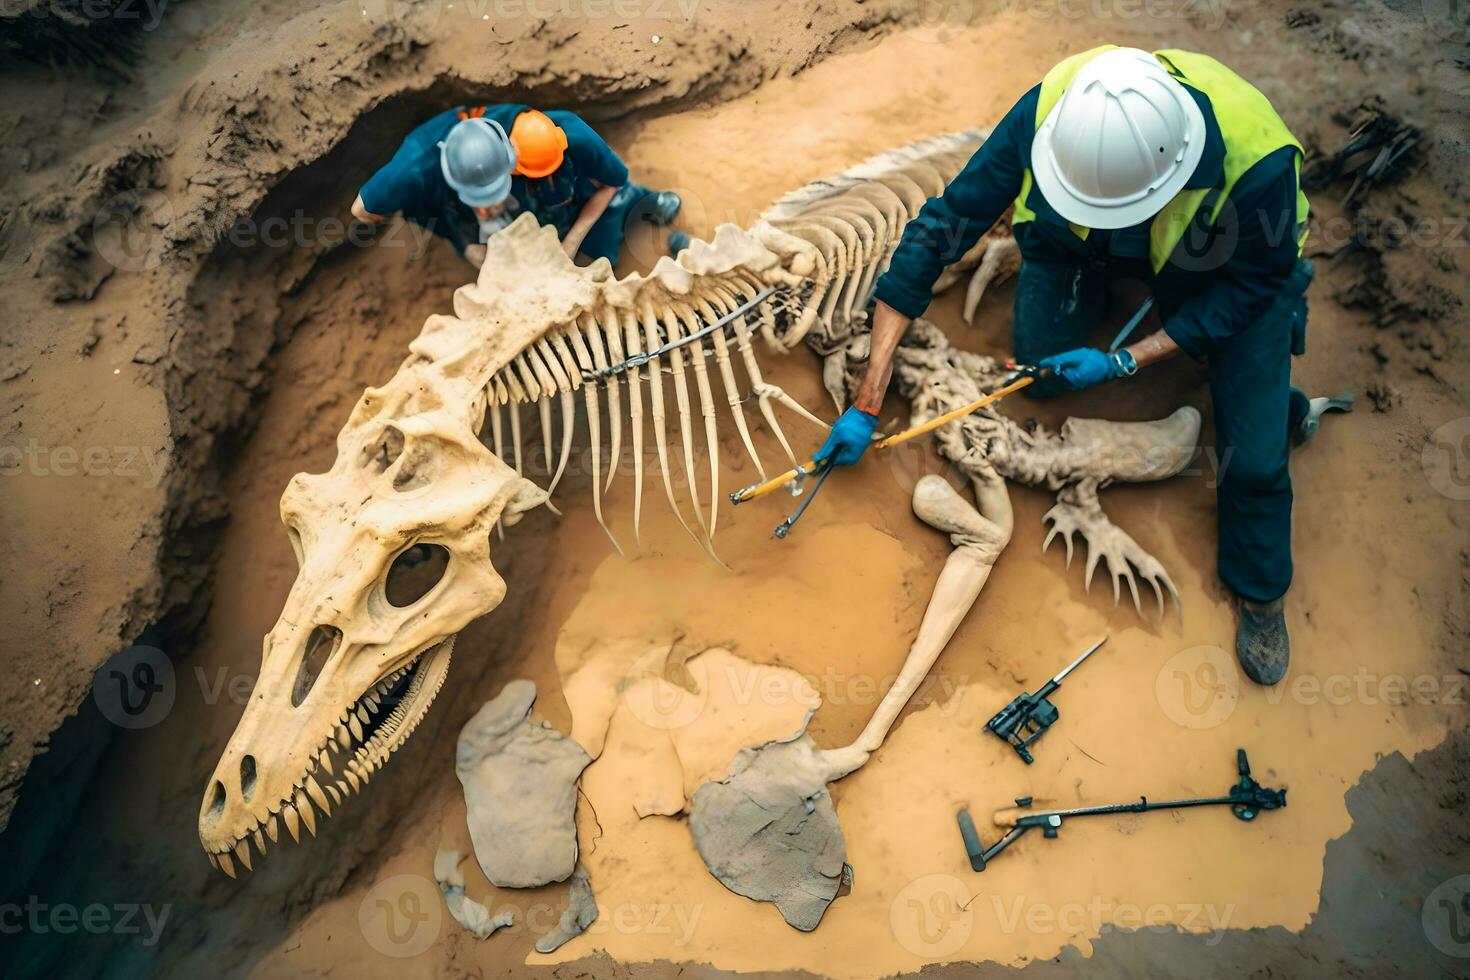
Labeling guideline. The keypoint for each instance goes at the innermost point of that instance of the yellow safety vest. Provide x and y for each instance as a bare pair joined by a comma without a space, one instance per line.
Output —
1248,124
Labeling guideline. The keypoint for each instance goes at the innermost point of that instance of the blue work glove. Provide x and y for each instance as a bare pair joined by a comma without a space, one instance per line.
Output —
1086,366
851,434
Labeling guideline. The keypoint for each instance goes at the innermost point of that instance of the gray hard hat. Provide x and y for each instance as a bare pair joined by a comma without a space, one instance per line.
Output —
477,160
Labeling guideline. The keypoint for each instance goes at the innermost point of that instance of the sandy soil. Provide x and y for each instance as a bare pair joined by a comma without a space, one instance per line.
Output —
293,335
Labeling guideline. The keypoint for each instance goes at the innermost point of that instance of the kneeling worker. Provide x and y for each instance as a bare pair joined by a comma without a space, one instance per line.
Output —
468,172
1171,169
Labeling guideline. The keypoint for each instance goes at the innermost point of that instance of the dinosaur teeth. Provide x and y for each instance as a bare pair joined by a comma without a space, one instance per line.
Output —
308,814
314,791
363,752
293,821
242,851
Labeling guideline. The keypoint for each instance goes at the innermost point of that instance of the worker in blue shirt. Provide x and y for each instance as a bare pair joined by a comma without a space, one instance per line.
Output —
1169,168
469,171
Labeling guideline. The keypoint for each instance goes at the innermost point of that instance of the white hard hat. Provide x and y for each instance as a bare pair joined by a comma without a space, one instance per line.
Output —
1120,142
477,159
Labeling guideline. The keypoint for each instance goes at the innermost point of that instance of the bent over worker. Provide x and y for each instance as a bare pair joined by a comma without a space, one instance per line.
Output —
470,171
1172,169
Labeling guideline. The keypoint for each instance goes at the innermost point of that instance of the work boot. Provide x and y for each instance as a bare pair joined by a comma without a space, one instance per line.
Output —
1261,643
661,207
678,242
1311,420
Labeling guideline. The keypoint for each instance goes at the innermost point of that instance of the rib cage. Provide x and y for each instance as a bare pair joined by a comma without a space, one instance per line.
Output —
821,249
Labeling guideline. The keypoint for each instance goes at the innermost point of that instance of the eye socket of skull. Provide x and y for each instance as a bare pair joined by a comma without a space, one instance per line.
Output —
414,573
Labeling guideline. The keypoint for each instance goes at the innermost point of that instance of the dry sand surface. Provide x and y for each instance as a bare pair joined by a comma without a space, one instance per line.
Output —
238,366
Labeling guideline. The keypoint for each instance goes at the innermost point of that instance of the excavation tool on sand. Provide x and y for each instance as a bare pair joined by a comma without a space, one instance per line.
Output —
1028,717
792,479
1245,799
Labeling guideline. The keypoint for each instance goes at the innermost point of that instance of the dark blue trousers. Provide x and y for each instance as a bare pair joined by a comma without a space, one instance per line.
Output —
1058,308
631,204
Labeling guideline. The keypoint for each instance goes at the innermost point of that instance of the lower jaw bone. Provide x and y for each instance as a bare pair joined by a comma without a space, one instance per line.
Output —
319,788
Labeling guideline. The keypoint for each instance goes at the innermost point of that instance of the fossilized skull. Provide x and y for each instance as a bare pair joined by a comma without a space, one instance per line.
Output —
350,668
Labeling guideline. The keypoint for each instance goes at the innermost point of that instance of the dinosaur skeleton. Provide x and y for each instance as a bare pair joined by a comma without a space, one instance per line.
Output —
347,674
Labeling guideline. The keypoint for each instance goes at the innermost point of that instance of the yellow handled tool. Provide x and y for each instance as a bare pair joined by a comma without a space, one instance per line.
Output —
958,413
1028,375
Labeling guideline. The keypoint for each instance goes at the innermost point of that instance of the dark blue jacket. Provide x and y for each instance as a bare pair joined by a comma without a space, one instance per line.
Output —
1219,279
413,183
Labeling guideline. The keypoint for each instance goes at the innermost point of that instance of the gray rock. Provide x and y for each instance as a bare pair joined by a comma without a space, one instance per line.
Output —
520,791
581,912
769,830
469,913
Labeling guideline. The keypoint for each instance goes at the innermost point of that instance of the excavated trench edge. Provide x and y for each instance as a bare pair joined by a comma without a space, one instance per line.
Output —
55,785
83,742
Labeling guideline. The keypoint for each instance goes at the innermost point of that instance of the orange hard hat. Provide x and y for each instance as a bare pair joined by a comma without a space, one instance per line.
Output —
540,144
